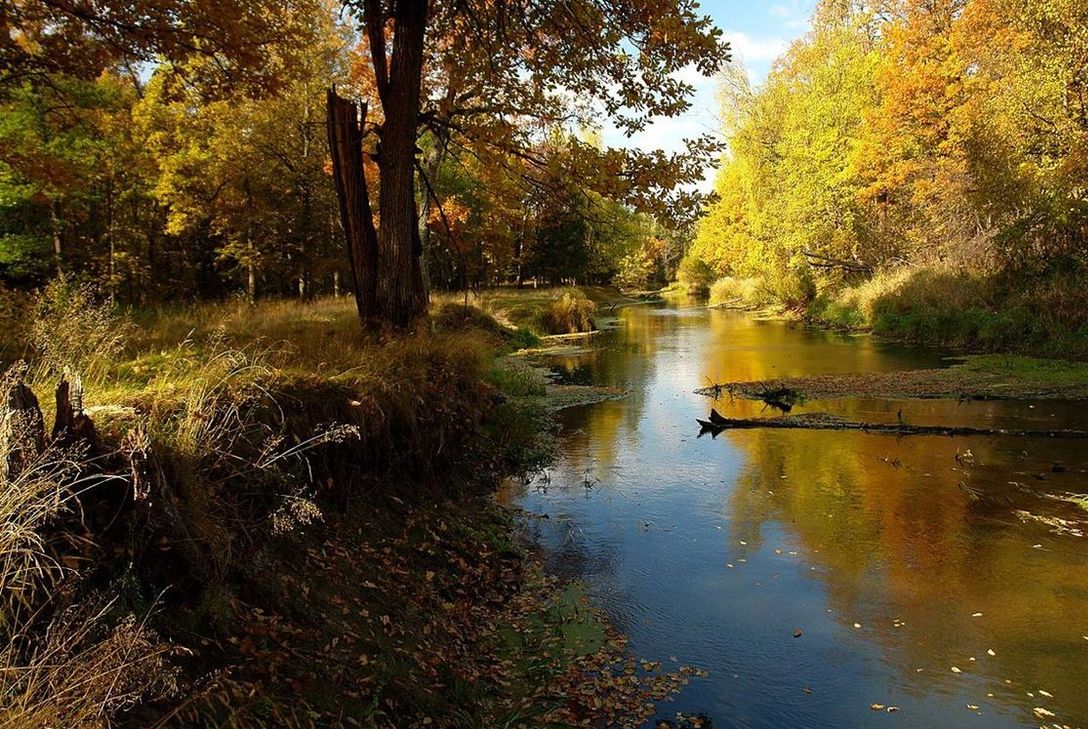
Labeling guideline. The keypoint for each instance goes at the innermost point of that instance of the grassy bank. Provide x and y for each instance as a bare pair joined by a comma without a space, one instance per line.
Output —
940,307
275,521
547,311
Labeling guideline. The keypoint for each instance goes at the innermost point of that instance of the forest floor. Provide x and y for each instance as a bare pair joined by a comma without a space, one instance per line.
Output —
975,377
296,528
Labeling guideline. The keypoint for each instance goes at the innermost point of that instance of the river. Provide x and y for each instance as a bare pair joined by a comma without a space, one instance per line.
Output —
911,567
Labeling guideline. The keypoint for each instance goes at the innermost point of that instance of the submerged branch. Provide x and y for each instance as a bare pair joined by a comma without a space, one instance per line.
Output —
822,421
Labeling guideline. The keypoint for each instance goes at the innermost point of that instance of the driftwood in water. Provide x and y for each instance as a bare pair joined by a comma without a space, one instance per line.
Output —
821,421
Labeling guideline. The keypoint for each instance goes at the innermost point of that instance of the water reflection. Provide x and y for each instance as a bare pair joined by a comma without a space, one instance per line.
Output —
714,552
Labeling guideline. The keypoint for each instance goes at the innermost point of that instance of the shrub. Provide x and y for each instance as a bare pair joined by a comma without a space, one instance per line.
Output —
695,275
750,293
795,289
570,313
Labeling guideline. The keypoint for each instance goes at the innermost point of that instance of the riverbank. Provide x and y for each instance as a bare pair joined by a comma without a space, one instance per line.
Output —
941,307
275,522
551,311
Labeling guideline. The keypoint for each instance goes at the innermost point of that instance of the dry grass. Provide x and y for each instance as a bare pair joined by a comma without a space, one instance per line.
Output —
83,669
241,416
749,293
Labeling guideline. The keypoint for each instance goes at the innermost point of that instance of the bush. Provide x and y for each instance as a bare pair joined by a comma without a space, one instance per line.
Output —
795,289
569,314
695,275
750,293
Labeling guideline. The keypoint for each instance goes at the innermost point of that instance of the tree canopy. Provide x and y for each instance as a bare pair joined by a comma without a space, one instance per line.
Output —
921,131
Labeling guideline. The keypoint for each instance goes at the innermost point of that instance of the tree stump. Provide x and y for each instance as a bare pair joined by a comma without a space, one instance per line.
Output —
22,428
72,427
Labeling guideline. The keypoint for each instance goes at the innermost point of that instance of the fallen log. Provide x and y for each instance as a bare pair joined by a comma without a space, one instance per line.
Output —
821,421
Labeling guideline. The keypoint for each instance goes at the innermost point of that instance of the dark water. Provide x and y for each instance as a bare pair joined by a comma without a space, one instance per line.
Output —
882,551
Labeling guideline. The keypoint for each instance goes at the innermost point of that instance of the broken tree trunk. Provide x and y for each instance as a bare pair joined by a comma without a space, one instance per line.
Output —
821,421
72,426
345,121
22,428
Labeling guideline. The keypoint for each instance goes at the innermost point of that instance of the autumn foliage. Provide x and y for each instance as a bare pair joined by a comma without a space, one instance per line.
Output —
948,134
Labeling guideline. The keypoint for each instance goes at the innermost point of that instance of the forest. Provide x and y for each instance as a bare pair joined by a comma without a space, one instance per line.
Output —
172,167
912,167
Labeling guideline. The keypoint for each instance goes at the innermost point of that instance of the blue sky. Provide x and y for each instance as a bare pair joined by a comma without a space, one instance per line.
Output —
759,31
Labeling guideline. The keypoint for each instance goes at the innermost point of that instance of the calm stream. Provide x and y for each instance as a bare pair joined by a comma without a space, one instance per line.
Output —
897,558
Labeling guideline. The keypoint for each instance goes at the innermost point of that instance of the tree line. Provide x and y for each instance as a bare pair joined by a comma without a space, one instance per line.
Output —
947,133
172,149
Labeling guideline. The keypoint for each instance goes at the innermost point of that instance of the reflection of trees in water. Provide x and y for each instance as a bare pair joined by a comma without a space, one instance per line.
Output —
593,436
931,542
742,348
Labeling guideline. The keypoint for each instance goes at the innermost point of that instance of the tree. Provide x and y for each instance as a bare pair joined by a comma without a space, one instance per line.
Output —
81,39
495,75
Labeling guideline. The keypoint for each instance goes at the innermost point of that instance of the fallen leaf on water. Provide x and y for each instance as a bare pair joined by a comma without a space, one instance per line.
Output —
877,707
797,633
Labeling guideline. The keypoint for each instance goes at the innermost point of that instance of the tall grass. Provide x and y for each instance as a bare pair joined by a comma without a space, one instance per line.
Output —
570,313
231,425
73,330
959,309
748,293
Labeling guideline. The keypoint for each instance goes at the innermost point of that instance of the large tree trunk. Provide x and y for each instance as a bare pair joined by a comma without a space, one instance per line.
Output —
401,295
386,263
345,127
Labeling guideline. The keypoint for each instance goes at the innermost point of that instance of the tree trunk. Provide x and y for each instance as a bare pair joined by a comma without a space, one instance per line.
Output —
400,290
386,263
345,127
58,245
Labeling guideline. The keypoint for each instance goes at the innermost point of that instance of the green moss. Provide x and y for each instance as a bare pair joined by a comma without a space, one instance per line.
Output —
1054,372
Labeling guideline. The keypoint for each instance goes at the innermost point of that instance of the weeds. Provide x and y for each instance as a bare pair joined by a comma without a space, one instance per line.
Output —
73,330
570,313
748,293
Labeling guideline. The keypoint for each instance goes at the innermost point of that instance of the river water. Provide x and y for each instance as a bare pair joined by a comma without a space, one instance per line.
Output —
897,559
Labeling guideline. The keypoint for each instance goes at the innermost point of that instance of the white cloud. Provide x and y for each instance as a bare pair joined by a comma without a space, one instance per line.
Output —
750,49
793,14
